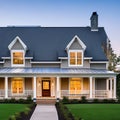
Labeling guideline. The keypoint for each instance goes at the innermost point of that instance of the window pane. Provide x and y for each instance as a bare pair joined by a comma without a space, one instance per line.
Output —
18,58
79,58
72,58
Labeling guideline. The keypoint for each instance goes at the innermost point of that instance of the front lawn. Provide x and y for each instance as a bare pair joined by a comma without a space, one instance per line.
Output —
6,110
95,111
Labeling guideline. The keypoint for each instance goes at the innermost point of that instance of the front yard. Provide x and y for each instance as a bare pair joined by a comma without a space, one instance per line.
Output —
6,110
95,111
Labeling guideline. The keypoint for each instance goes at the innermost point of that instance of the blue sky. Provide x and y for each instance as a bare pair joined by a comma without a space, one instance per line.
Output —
63,13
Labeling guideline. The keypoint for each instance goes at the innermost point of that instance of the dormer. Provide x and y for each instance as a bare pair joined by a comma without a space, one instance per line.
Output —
75,50
17,49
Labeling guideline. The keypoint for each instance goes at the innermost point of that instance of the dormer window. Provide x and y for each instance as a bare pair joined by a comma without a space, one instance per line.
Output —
17,58
75,58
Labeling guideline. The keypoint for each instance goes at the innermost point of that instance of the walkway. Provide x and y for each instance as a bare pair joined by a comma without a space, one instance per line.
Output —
45,112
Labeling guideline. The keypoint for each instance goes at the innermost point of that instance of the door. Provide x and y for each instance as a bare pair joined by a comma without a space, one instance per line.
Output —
17,86
45,88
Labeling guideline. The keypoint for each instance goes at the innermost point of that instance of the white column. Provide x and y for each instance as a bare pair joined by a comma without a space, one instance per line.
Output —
107,84
114,87
6,87
90,87
111,87
34,87
58,87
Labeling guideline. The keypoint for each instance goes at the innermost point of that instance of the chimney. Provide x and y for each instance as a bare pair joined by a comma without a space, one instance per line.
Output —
94,21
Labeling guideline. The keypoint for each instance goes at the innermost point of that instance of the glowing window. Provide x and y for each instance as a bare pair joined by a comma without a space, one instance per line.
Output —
75,86
76,58
17,86
18,58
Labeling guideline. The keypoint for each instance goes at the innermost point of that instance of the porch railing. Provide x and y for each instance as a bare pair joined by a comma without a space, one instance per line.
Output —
25,93
77,94
101,94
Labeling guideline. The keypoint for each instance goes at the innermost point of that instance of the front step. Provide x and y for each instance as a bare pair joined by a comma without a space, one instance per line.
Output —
46,101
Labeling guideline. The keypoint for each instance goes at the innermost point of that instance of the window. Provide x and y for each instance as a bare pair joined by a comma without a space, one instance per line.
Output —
75,86
17,86
18,58
75,58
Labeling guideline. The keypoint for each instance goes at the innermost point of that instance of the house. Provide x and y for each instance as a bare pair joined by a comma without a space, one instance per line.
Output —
52,62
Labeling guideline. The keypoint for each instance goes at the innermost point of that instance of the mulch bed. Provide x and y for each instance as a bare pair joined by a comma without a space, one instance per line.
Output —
27,117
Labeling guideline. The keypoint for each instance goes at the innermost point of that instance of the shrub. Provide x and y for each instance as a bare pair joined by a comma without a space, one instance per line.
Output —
95,101
105,101
12,117
29,99
21,100
17,115
6,100
12,100
83,99
65,100
74,101
27,110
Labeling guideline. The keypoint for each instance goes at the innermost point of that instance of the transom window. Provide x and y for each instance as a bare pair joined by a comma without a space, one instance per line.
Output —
17,58
76,58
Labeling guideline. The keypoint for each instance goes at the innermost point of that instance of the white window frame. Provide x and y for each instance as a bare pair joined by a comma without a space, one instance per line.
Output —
17,65
75,58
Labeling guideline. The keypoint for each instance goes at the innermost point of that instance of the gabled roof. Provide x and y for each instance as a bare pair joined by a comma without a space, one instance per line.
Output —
49,43
79,41
17,38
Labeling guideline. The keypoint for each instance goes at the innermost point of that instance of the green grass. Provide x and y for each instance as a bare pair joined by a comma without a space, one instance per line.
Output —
6,110
95,111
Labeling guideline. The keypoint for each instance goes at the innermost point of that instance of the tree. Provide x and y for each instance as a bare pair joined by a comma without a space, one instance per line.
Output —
113,60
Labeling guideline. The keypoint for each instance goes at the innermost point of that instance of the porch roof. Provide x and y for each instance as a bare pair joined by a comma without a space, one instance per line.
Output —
73,71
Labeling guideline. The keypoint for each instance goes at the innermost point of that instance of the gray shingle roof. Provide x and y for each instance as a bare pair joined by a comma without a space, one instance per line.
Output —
49,43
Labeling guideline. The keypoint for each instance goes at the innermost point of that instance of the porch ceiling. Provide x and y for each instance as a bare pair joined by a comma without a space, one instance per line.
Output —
79,71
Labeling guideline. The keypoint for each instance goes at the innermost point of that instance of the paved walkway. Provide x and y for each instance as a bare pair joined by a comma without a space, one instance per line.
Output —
45,112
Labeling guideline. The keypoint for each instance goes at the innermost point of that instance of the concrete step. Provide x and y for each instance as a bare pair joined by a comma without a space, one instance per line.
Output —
46,101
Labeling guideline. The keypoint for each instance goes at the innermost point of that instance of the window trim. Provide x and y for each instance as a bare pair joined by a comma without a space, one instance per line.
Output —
17,65
76,65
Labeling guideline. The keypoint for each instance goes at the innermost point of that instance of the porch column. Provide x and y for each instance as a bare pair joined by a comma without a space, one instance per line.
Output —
90,87
107,84
58,87
34,87
111,87
6,87
114,95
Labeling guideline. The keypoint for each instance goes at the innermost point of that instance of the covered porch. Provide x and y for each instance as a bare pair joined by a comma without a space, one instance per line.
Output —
53,83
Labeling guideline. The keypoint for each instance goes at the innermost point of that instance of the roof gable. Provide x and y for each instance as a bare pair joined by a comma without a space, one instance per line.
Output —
15,41
76,38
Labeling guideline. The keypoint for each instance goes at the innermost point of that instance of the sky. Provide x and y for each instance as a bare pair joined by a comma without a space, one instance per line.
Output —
62,13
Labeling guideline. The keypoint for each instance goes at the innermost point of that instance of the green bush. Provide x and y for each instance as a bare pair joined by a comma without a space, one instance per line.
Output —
74,101
65,100
12,100
21,101
12,117
96,101
29,99
27,110
17,115
83,99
